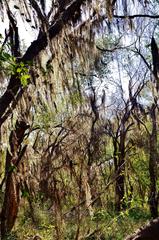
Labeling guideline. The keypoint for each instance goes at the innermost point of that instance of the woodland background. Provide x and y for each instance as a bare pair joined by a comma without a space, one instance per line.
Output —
79,106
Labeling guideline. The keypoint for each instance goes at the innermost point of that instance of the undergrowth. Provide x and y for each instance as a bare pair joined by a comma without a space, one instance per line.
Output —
102,226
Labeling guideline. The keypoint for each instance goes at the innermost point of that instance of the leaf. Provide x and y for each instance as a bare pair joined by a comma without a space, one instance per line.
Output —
19,70
6,55
24,79
22,64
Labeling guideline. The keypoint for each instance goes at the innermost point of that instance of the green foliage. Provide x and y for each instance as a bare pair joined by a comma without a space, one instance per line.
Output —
7,61
23,73
24,193
117,227
9,65
101,215
12,236
26,229
138,214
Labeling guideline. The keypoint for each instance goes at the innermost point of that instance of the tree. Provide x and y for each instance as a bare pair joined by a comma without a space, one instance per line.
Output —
12,188
36,76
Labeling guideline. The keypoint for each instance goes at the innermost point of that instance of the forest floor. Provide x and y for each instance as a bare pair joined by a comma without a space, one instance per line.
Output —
102,226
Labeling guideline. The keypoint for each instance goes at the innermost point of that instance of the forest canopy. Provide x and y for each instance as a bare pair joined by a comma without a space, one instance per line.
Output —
79,105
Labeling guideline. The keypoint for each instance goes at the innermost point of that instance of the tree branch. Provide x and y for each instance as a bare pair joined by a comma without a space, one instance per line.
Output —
14,86
136,16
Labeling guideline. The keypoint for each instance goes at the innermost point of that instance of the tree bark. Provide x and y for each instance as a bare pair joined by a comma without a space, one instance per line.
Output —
10,205
12,187
120,168
148,232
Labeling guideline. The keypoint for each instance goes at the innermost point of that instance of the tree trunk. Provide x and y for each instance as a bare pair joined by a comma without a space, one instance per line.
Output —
119,187
10,205
148,232
12,188
119,162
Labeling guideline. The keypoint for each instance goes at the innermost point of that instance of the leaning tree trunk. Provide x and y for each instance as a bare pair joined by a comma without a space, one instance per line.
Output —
10,205
12,188
148,232
153,195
